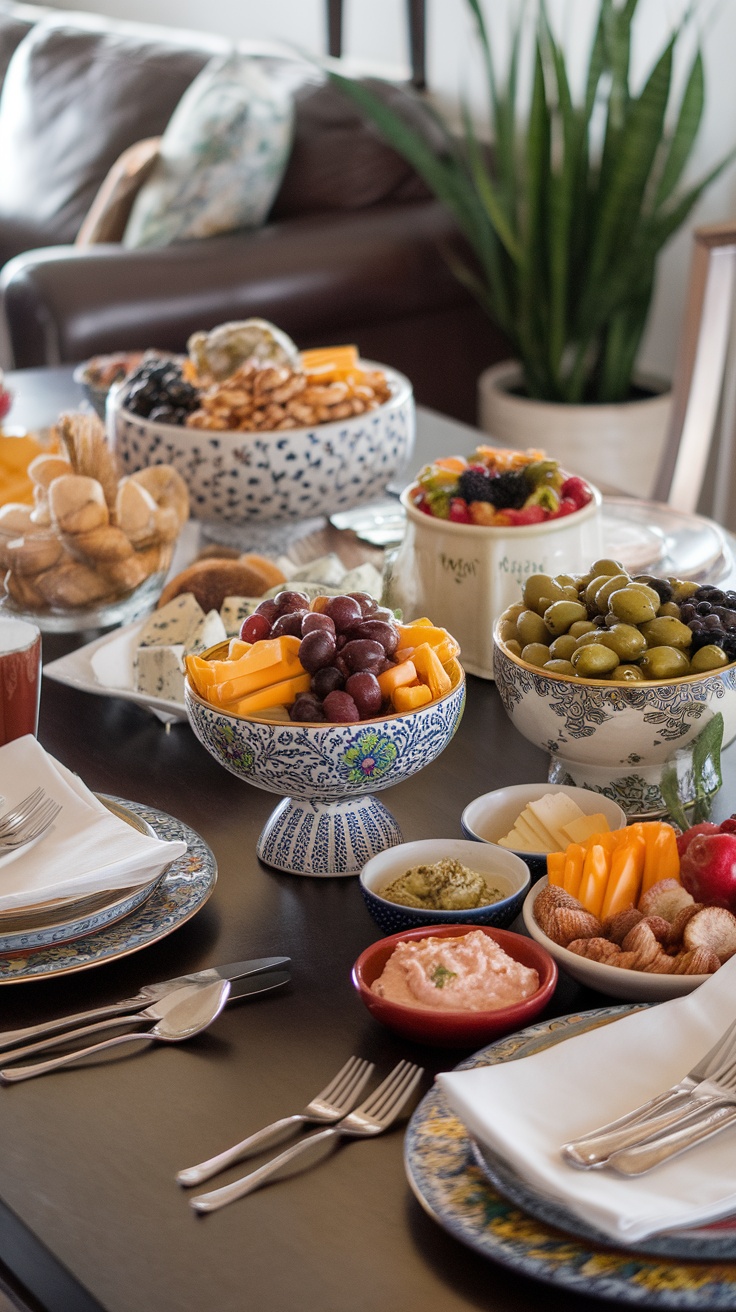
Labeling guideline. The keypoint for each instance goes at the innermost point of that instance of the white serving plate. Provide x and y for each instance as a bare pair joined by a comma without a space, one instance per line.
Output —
631,985
114,653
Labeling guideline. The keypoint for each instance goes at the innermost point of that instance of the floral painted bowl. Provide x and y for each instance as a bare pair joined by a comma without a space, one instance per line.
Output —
262,478
327,824
617,738
503,871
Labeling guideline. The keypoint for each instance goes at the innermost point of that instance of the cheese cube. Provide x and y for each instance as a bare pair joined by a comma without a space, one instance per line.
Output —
158,672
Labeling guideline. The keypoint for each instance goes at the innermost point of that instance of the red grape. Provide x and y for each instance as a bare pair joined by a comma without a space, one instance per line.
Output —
327,680
317,650
379,631
255,627
341,667
306,708
363,654
367,603
313,621
291,601
345,611
365,691
383,613
267,608
339,708
289,623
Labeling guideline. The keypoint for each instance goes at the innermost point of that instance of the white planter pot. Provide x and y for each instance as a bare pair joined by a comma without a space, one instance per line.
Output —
619,446
463,575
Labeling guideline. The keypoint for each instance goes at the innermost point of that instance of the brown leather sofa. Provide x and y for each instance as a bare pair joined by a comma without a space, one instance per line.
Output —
352,250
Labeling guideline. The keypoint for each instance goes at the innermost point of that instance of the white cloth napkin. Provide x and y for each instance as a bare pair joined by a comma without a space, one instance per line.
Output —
524,1110
86,850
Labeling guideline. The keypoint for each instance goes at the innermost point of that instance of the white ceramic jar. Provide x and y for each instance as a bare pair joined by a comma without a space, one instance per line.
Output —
463,575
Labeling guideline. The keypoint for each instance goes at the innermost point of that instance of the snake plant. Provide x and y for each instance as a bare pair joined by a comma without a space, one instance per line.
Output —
568,210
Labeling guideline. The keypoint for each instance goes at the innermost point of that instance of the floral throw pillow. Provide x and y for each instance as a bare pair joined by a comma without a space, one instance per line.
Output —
222,157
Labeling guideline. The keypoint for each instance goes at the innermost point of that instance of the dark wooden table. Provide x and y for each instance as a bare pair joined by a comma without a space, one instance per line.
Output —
90,1216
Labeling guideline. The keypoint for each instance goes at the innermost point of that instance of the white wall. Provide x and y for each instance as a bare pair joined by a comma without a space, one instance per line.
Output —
375,31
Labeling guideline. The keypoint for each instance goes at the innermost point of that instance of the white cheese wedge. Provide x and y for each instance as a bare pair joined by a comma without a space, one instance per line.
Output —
234,610
326,569
159,672
554,810
174,623
578,830
519,841
209,631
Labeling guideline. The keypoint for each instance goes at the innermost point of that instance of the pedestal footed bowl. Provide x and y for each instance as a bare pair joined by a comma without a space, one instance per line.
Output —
328,822
618,738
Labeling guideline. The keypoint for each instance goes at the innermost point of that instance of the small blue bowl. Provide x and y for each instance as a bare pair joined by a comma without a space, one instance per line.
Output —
500,869
488,818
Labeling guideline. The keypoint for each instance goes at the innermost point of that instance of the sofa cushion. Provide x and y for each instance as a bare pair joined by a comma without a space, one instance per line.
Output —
78,91
110,210
16,22
221,159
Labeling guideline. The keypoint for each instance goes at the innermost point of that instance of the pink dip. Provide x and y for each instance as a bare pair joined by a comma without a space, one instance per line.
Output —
470,973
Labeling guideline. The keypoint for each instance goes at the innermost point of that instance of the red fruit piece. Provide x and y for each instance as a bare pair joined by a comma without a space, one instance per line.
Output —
566,507
459,513
528,515
708,869
728,826
684,840
577,490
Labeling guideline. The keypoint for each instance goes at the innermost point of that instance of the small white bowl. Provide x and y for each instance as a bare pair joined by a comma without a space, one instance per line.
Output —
501,869
491,816
630,985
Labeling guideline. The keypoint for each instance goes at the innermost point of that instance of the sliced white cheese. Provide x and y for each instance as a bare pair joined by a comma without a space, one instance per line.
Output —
578,830
159,672
519,841
173,623
554,810
547,841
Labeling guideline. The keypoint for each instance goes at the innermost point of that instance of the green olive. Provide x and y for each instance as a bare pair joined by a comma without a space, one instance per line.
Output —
585,639
535,653
651,593
513,611
666,631
538,586
561,614
625,640
568,580
608,567
611,585
682,588
594,587
708,658
594,661
581,626
563,647
561,667
662,588
632,605
514,647
507,631
531,628
664,663
669,608
628,674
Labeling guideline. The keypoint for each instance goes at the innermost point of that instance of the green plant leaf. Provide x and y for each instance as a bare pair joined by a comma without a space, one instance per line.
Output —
668,787
686,130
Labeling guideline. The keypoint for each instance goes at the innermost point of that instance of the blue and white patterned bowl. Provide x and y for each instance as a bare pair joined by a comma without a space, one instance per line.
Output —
616,738
500,869
257,478
327,825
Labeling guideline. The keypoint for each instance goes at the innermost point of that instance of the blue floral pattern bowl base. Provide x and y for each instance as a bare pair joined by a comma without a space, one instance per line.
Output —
326,838
327,825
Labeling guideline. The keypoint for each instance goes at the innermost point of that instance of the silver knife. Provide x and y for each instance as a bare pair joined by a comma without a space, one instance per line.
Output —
149,993
245,988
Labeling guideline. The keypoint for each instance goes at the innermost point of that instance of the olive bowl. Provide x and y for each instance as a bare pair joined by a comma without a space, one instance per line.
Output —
613,737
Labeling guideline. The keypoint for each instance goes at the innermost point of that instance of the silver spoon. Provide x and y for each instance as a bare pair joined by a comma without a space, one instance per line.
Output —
183,1014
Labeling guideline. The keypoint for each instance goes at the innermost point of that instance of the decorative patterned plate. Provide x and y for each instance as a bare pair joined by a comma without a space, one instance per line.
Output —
184,889
452,1188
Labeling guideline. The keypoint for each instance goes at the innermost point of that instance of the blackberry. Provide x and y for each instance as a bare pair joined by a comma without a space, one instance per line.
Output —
708,638
474,485
157,390
509,491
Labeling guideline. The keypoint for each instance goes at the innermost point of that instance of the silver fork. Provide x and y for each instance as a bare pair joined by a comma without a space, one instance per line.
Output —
35,824
376,1114
328,1106
19,813
719,1086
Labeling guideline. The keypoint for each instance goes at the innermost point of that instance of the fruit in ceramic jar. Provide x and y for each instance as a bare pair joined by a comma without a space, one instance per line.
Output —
561,614
560,666
632,605
563,647
664,663
666,631
594,660
531,627
708,658
627,641
628,674
317,650
535,653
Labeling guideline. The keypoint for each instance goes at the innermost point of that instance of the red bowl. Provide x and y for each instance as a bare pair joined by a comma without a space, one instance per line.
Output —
455,1029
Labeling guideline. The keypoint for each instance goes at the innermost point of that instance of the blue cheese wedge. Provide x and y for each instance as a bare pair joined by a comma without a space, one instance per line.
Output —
176,630
159,672
176,622
234,610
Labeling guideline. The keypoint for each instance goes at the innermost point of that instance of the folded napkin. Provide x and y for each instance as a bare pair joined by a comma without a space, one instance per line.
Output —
87,849
525,1110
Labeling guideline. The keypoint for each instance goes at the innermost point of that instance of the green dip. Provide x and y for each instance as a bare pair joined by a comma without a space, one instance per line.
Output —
445,886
